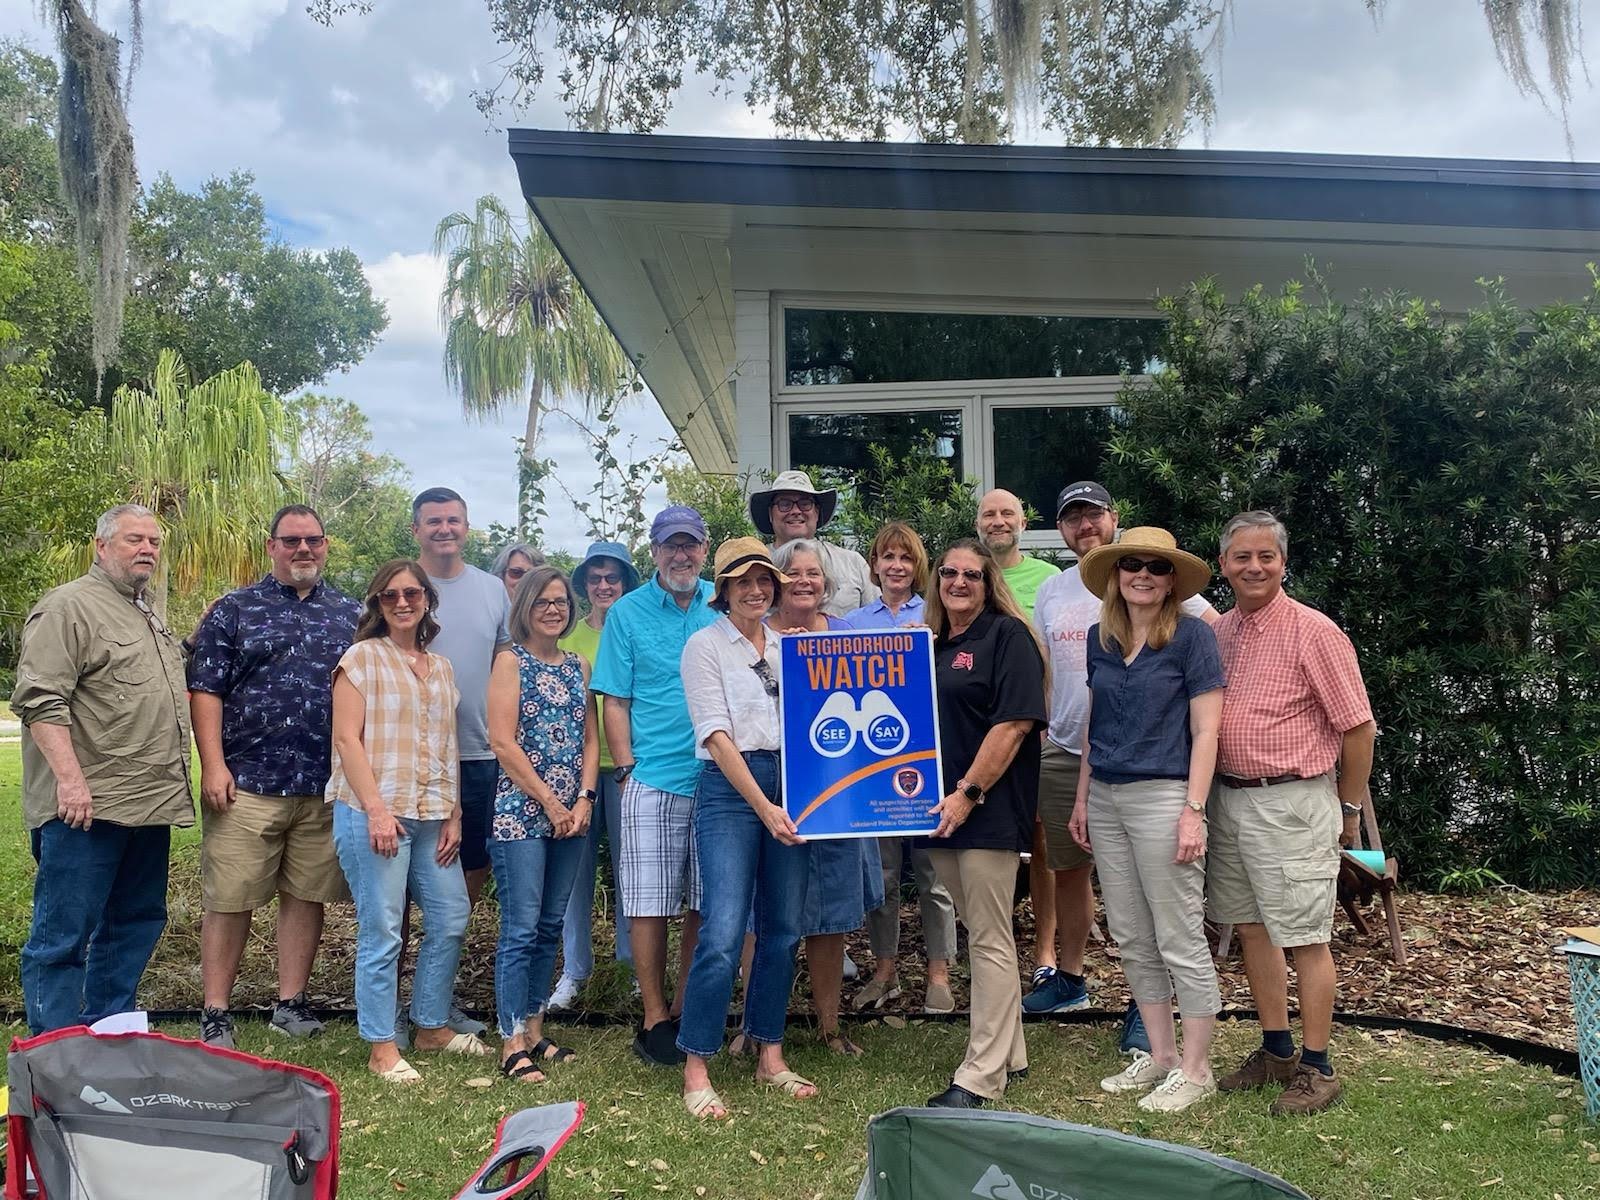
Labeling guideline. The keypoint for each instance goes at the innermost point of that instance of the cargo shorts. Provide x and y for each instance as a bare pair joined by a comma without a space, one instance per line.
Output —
264,845
1058,792
1273,859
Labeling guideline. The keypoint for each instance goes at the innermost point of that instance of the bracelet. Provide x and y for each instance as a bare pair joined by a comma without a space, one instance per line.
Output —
1350,810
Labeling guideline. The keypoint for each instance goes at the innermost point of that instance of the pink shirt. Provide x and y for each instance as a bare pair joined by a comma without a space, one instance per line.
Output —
1294,690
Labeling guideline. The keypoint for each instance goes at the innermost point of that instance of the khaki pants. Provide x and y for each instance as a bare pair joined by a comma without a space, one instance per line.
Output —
982,882
933,902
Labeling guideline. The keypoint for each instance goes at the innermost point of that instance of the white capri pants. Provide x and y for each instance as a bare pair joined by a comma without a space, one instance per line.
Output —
1155,907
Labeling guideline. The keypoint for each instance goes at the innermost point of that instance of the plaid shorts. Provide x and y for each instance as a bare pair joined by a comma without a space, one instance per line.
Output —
659,872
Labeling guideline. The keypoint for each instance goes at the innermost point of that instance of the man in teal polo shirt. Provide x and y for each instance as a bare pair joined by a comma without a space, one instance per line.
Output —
652,743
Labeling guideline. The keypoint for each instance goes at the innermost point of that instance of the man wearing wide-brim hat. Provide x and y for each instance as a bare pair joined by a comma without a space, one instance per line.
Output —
791,508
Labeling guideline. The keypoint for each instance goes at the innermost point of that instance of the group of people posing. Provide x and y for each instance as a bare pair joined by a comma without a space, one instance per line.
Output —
397,749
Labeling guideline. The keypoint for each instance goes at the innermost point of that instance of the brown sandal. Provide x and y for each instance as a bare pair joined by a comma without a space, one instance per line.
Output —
842,1045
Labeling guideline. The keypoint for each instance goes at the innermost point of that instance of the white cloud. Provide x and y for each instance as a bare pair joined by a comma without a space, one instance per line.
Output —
238,21
435,87
409,284
343,97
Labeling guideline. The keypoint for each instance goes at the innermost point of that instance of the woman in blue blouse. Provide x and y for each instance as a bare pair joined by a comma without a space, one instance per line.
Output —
1155,692
548,747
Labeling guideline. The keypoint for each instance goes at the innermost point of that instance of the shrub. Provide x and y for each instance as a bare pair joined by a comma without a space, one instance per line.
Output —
1440,480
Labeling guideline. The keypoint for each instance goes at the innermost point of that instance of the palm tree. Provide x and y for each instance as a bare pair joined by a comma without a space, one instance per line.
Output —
518,326
204,458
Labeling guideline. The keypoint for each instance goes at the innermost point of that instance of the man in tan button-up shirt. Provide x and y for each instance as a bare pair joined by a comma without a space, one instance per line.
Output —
105,775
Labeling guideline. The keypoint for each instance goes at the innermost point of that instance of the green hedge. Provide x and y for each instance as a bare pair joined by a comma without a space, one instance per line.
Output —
1440,479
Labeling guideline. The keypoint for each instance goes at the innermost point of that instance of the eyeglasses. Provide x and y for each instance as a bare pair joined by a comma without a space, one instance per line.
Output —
608,578
1083,516
681,549
516,573
390,597
968,574
803,504
1156,566
769,682
544,605
313,541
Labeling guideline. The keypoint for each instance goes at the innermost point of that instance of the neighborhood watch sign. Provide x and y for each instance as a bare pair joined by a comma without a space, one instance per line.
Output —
860,733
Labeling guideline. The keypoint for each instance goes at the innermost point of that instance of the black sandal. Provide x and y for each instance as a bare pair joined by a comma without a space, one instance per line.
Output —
520,1066
544,1046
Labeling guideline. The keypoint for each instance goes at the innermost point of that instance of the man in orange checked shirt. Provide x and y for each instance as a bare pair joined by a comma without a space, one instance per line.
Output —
1293,759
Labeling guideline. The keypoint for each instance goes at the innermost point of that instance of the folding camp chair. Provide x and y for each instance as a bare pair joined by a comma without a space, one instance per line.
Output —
523,1147
143,1116
939,1153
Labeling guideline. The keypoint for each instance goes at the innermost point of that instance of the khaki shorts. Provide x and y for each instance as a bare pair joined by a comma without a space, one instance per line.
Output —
267,844
1273,859
1058,791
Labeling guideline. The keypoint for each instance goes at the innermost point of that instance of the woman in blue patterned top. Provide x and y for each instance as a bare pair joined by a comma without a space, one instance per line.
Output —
548,749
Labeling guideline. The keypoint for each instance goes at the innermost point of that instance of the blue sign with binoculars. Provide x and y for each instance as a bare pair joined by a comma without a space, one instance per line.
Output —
860,733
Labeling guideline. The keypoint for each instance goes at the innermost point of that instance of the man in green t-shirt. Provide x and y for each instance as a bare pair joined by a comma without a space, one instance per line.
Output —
1000,525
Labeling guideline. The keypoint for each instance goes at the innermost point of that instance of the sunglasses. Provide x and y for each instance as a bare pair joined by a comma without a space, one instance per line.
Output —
1156,566
968,574
313,541
390,597
516,573
763,670
605,578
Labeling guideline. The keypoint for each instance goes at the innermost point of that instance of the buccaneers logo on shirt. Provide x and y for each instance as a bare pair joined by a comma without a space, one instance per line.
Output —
962,661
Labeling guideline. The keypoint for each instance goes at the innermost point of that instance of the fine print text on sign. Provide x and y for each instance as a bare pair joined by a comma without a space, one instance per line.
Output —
860,733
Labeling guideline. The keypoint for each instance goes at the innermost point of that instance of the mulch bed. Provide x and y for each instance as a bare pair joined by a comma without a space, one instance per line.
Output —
1484,962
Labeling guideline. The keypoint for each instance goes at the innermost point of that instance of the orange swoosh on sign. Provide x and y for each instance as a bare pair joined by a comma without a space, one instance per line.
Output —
857,776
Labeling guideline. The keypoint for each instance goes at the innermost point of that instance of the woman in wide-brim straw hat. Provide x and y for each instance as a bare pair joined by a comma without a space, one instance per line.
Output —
730,678
1155,703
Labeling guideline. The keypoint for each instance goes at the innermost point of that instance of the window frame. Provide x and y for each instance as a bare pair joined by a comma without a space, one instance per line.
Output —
977,399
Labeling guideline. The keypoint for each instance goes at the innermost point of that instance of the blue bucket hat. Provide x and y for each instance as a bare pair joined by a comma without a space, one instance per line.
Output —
611,550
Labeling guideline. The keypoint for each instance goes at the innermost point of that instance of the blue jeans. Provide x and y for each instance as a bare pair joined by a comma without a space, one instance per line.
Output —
379,886
745,863
577,928
533,879
99,906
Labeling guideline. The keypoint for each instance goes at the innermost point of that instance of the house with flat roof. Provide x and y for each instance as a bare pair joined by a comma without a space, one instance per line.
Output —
789,303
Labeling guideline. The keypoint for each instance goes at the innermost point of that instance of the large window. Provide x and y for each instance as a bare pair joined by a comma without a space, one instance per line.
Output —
1037,451
840,440
856,346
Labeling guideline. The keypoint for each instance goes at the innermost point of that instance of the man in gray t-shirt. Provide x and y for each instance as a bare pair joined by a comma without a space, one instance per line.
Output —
472,613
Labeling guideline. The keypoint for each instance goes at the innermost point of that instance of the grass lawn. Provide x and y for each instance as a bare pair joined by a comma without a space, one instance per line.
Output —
1421,1121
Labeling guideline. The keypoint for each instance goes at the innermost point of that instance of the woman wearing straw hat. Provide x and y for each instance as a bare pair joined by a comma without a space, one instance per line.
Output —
1155,703
730,679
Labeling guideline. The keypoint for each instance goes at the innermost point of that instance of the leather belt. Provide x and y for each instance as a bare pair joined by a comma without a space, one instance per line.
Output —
1234,781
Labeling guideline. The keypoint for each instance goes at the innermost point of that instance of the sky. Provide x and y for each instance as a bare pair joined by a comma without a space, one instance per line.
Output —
365,135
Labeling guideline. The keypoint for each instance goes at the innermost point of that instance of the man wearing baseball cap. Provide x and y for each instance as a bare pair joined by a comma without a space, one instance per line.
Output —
652,744
1063,611
791,508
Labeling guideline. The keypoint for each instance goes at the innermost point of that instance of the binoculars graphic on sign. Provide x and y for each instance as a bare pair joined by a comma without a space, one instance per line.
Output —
877,722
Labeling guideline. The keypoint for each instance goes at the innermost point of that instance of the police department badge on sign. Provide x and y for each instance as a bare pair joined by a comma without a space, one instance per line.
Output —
860,733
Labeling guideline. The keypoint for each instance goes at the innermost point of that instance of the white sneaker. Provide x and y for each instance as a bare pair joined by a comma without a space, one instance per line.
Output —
1141,1073
1176,1093
850,968
565,994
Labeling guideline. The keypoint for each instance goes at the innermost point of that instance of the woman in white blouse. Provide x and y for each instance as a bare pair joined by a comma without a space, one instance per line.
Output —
730,677
397,814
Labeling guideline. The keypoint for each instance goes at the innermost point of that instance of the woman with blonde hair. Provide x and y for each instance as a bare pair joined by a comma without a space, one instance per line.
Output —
898,562
1155,704
989,677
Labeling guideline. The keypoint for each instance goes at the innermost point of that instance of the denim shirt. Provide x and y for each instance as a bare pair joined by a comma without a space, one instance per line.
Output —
1139,721
270,656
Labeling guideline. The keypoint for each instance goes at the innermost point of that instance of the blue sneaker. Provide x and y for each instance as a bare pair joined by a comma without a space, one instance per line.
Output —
1060,992
1134,1037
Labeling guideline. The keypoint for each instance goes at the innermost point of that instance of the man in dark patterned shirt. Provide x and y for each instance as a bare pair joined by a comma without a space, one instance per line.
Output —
261,700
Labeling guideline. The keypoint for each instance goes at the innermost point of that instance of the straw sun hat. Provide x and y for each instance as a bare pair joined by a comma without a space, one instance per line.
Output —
738,556
1190,574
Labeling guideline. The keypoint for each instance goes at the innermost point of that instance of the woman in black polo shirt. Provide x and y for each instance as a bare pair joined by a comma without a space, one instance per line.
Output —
990,679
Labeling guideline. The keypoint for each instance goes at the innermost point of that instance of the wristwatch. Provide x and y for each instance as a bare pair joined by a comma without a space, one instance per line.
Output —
1194,806
587,794
621,773
1350,810
971,791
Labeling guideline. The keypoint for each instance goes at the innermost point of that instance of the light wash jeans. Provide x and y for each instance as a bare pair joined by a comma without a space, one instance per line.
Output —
745,862
379,886
577,928
533,880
